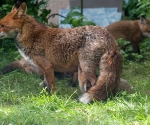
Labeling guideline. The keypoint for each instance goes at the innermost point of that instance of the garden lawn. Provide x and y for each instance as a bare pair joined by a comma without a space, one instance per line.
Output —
24,102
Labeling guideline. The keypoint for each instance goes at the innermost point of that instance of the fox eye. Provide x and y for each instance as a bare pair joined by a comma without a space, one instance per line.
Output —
2,26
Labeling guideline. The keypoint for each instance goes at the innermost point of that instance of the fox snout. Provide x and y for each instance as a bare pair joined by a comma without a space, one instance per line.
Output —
6,35
10,34
2,35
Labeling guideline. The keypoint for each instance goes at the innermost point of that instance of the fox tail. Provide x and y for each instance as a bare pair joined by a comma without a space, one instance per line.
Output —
110,67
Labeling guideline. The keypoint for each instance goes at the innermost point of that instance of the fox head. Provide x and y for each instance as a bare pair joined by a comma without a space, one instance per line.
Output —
145,26
12,23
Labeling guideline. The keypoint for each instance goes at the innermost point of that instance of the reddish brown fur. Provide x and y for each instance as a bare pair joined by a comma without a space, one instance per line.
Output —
62,50
133,31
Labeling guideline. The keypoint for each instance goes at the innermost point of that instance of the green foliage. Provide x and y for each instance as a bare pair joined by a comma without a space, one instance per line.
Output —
7,44
144,8
134,9
38,10
128,54
4,9
137,57
75,18
121,42
130,10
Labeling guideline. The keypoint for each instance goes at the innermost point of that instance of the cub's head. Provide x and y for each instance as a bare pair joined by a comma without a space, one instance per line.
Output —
12,23
145,26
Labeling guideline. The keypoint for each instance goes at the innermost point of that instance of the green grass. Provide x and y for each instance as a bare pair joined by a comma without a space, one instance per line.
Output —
24,102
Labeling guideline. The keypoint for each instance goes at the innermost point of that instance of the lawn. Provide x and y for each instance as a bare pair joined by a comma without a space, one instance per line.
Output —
24,102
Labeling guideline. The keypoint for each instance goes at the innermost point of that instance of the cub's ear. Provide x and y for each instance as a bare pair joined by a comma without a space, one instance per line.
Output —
143,20
21,11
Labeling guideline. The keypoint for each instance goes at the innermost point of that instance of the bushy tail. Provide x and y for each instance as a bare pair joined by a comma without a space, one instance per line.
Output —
110,69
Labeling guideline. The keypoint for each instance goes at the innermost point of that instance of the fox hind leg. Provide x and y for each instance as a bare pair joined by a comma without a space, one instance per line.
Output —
87,78
83,81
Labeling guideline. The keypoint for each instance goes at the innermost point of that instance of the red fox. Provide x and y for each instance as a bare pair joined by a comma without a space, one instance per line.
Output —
133,31
64,50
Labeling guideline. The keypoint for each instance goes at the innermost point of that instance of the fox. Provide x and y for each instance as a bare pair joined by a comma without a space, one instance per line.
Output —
84,48
131,30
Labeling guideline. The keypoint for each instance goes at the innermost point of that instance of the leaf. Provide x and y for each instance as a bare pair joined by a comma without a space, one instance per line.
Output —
142,6
140,56
41,2
44,13
85,23
42,6
5,5
75,22
33,1
127,42
124,93
73,14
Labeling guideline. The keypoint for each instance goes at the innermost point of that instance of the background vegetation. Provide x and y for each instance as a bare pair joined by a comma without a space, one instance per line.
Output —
23,102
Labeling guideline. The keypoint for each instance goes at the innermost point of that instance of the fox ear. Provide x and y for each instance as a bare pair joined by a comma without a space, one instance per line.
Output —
143,20
17,5
14,9
21,11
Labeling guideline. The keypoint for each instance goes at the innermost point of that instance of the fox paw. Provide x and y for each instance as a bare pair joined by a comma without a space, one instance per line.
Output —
41,84
85,98
45,86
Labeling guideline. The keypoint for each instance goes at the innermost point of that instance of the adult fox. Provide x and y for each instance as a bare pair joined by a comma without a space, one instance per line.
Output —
64,50
133,31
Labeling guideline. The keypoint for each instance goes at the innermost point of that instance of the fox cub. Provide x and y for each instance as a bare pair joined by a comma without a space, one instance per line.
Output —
84,48
133,31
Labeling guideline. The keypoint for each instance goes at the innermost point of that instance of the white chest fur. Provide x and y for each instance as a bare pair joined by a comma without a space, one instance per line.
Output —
22,50
27,58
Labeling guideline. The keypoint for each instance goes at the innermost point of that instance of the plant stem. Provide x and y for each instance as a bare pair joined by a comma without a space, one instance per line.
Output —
81,7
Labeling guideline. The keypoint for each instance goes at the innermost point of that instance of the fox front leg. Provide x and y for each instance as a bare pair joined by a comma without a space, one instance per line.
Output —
47,69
